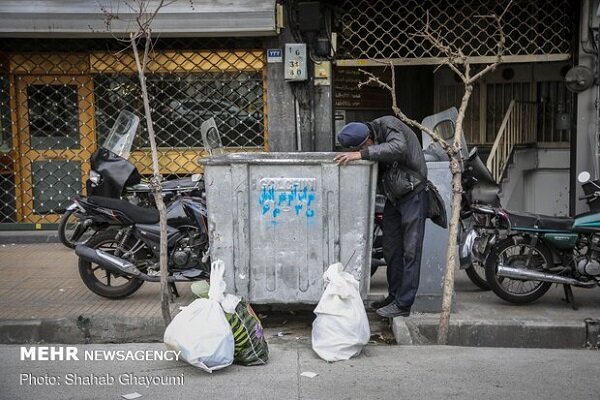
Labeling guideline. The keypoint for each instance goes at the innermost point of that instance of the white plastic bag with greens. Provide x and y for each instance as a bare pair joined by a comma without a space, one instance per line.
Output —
341,328
201,331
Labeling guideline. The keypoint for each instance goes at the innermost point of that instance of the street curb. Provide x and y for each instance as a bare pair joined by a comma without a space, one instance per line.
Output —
407,331
82,330
28,237
490,333
401,331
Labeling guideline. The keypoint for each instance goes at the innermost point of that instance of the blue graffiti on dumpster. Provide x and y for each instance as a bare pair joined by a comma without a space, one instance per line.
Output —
287,195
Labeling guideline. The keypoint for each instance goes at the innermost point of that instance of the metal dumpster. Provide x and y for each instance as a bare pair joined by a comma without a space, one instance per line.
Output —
435,242
278,220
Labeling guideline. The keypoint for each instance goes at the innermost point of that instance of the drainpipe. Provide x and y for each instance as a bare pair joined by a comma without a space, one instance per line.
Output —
298,125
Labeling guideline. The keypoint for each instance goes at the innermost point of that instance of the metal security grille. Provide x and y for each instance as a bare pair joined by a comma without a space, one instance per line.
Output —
57,108
185,88
371,31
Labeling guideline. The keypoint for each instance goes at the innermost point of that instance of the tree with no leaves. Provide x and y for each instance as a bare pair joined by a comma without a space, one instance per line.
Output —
140,38
458,62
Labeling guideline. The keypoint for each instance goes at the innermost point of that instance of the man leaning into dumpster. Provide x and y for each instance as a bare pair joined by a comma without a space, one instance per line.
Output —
393,144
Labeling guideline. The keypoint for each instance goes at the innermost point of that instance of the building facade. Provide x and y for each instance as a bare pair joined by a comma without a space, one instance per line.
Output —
65,75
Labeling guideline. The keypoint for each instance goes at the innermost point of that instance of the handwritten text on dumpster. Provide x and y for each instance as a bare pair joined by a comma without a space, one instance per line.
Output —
281,196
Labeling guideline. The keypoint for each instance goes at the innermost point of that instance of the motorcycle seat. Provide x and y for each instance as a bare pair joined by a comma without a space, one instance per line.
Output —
140,215
539,222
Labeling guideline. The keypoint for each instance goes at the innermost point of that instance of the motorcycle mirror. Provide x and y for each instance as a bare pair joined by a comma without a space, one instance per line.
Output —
473,152
583,177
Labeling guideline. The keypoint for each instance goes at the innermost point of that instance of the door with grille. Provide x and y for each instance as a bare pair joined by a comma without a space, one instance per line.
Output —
55,140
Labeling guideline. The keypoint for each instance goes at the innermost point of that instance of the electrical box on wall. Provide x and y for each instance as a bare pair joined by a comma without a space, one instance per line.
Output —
322,76
295,62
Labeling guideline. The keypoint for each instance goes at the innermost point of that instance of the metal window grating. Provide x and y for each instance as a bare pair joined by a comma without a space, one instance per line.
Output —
382,29
56,108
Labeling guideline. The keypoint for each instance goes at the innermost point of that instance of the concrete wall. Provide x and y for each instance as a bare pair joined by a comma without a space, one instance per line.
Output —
538,181
315,116
548,185
586,111
280,101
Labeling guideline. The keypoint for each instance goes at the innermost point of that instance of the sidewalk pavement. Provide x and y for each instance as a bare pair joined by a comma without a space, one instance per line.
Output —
42,299
379,373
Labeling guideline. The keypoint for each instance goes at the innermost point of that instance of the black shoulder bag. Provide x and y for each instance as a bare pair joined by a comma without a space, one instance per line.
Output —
400,183
436,211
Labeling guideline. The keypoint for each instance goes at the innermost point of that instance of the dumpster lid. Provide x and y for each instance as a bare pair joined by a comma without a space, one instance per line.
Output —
275,158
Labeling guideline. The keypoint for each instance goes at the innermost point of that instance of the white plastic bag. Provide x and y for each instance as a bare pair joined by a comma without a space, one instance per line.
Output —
201,331
217,288
341,328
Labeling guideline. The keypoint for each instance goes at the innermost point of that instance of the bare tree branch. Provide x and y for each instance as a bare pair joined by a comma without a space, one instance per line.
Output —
143,31
146,52
372,78
501,43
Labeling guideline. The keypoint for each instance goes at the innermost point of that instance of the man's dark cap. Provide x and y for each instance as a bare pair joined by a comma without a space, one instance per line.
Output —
354,134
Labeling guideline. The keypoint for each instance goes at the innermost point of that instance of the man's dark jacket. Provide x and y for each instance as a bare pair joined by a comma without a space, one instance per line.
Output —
394,142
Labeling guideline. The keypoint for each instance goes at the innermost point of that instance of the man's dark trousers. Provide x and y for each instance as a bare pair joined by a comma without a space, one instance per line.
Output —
403,231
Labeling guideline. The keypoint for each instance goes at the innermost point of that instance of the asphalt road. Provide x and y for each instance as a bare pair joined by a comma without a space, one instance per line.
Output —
381,372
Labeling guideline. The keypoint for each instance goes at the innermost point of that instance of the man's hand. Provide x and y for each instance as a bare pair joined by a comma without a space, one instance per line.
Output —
345,158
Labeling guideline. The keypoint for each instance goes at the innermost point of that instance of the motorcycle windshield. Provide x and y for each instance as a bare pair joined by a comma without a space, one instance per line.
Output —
121,135
211,138
475,167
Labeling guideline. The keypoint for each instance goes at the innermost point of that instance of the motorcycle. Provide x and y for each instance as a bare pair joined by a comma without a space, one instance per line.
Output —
542,250
115,262
116,265
113,176
481,218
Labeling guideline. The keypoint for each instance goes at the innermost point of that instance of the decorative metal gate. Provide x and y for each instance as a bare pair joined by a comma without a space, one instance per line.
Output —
372,31
55,108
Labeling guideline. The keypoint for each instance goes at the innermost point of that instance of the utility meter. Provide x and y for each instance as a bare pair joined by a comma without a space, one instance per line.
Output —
295,62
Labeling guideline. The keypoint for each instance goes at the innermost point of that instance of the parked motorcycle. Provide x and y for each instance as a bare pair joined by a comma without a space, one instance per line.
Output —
541,250
116,265
481,217
113,176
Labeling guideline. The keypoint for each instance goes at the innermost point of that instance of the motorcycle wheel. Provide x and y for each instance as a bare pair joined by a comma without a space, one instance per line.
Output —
476,273
514,252
98,279
71,230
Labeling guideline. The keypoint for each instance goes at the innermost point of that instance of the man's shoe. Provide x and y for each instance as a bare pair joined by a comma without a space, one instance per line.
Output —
392,310
382,303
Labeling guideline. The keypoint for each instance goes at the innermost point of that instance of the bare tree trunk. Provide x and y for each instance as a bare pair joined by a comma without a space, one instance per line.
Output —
453,229
156,183
448,289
